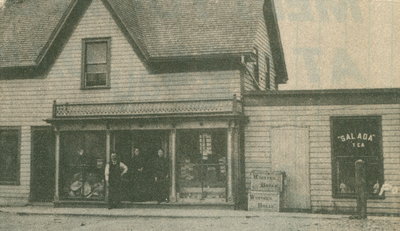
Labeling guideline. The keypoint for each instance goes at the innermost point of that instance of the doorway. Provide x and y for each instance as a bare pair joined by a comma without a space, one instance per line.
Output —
290,153
148,142
42,165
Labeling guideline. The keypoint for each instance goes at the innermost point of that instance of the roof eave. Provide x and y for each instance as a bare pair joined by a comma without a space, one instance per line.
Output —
276,40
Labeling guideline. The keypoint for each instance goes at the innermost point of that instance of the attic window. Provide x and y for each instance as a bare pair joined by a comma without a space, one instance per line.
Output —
96,63
256,67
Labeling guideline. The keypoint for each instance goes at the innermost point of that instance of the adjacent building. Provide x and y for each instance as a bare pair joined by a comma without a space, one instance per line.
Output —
80,79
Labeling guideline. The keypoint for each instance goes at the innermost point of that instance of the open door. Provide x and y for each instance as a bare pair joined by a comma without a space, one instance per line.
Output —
290,153
42,165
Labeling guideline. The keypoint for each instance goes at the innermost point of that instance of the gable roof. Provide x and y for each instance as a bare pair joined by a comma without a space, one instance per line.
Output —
160,30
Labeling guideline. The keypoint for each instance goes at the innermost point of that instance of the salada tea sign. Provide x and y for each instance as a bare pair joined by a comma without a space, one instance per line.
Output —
356,137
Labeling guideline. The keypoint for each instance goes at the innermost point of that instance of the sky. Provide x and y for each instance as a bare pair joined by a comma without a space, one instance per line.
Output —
336,44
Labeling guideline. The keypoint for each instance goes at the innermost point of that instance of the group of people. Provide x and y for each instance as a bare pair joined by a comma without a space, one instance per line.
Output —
134,171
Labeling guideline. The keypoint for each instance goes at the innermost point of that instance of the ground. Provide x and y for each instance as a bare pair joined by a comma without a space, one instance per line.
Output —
14,221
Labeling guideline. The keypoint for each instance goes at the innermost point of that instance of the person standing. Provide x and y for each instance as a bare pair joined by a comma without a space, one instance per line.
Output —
136,176
113,173
161,175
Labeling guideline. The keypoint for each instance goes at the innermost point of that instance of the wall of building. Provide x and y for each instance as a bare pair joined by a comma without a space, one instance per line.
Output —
312,111
262,44
28,102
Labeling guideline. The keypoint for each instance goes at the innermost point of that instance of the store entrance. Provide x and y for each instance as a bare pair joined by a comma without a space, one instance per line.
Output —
139,184
42,176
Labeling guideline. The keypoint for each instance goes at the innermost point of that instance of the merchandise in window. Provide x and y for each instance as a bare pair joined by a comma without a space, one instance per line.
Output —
82,165
9,155
202,165
355,138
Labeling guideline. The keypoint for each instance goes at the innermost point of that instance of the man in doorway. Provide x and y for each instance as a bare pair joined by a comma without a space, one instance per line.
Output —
113,174
161,176
136,175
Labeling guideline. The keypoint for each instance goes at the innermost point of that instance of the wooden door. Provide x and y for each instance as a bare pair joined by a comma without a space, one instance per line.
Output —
290,153
42,165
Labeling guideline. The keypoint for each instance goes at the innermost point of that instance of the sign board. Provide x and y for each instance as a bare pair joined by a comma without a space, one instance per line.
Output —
264,201
266,181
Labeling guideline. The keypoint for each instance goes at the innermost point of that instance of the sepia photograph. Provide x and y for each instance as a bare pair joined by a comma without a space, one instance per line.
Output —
199,115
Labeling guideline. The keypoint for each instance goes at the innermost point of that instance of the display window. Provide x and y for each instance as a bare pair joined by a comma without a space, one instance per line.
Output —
355,138
83,158
201,165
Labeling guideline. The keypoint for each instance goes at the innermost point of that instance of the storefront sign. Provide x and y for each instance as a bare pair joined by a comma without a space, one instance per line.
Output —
266,181
357,140
263,201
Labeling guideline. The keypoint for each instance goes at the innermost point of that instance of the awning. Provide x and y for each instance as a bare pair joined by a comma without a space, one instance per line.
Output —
147,110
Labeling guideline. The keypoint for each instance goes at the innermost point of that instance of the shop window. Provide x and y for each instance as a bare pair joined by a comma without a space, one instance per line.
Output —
96,63
355,138
82,165
202,169
9,155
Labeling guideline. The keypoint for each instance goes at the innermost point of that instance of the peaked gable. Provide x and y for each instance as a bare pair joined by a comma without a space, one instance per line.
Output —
158,30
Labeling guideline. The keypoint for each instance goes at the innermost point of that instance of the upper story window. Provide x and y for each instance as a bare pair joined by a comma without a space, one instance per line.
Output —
256,67
96,63
355,138
267,73
9,155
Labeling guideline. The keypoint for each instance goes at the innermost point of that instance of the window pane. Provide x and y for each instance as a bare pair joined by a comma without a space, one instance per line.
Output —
96,79
96,68
8,155
96,52
357,138
82,164
346,175
202,165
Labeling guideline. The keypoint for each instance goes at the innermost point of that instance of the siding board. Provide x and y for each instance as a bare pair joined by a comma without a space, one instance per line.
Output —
28,102
317,118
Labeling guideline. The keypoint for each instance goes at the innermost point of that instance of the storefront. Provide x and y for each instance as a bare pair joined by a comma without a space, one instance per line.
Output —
316,137
200,138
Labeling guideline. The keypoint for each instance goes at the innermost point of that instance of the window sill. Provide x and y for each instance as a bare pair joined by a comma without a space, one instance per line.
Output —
9,183
96,88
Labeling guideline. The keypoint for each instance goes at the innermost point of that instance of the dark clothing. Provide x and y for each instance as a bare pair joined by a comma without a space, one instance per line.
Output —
114,196
161,176
137,178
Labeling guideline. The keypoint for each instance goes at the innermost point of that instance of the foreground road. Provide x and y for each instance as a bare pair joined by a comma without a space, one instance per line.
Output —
9,221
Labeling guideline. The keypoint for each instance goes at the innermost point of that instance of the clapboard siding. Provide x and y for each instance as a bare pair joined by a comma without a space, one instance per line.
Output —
28,102
317,118
262,44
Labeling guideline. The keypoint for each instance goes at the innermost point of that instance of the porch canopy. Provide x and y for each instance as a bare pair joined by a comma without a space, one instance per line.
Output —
169,116
147,110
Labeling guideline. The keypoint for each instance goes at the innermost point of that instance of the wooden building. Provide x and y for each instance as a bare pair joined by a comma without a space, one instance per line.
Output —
315,137
82,78
198,79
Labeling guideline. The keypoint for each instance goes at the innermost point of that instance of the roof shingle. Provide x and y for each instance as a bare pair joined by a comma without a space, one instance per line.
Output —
160,28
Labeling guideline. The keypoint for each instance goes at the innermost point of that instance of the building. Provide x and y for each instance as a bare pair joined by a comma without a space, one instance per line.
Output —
198,79
106,76
316,136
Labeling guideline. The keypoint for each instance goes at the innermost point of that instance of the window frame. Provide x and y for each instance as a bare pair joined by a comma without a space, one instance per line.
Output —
380,160
267,72
18,156
86,41
256,67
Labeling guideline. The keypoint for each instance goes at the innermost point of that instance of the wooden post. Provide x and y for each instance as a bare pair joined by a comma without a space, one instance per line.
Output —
57,166
172,151
361,189
229,164
108,151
